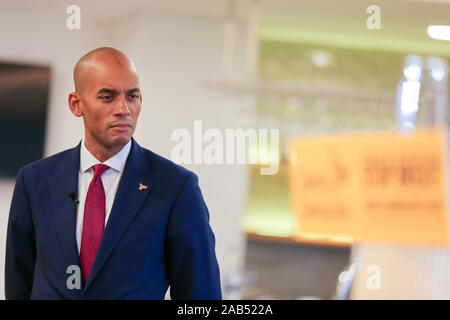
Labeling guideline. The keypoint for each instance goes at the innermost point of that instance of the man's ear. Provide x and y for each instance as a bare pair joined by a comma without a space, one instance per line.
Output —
74,104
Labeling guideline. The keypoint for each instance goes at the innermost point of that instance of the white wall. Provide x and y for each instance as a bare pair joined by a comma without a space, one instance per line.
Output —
174,54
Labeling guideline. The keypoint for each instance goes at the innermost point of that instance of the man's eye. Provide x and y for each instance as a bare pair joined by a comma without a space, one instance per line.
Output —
106,98
134,96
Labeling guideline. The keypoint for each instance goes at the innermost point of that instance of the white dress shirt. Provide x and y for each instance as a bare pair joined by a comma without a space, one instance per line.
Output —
110,180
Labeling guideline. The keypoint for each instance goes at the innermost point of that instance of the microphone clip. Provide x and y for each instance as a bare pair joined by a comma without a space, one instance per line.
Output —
72,198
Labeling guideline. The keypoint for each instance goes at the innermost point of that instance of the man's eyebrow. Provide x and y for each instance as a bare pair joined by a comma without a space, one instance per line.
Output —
106,90
133,90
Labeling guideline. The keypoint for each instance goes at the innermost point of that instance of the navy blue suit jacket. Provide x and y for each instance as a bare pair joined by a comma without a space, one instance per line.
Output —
155,237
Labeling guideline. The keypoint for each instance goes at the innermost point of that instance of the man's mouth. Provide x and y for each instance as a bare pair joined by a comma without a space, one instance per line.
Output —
121,126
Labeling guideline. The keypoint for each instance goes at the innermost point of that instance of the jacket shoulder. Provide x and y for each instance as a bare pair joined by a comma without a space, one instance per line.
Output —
48,164
165,166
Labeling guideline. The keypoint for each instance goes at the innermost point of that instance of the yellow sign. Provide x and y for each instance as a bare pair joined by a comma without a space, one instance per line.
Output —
384,186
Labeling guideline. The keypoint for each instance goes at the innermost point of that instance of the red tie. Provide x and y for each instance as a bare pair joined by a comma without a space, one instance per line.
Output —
93,221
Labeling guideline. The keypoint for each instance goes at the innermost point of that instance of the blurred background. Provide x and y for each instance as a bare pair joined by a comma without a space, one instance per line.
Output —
306,68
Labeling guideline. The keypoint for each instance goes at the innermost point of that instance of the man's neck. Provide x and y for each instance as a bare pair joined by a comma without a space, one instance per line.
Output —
100,152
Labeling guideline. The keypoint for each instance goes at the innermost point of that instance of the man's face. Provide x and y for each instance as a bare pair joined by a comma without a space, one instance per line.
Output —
110,102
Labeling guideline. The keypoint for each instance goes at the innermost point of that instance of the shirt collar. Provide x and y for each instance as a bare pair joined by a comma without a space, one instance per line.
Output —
116,162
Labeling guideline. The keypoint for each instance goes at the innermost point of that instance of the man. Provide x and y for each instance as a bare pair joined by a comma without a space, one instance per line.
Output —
108,219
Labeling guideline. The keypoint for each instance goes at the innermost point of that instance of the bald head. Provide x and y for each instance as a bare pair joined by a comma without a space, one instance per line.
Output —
100,58
108,97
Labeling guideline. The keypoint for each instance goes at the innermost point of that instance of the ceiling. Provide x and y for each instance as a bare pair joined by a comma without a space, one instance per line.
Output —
403,22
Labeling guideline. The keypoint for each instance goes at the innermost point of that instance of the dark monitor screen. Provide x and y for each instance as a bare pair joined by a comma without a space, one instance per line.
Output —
24,91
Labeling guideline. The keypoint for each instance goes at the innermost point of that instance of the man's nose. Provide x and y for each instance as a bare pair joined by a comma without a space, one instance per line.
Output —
122,107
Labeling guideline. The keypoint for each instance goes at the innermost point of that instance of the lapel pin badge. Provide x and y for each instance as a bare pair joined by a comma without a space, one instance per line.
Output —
142,187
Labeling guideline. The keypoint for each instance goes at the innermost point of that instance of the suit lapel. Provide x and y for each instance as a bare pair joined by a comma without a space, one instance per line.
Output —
61,184
129,198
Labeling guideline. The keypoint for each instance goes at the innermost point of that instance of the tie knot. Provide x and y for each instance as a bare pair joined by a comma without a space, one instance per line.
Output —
99,169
